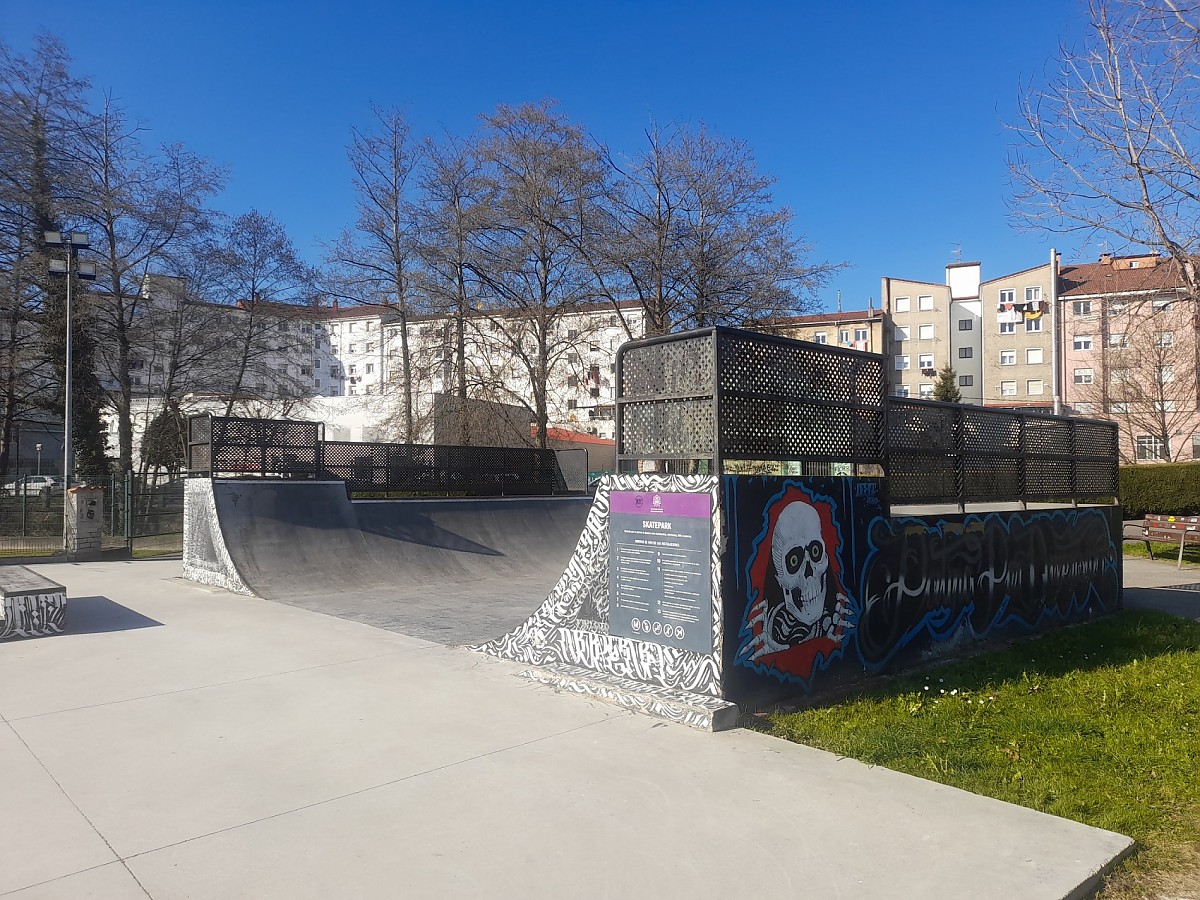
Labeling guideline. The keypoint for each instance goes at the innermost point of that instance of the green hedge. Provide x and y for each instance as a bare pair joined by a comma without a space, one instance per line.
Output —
1168,488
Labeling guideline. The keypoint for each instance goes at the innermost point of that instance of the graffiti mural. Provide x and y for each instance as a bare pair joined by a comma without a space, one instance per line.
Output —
799,611
825,588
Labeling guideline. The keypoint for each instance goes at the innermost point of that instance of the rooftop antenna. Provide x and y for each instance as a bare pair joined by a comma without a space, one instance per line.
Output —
839,302
957,251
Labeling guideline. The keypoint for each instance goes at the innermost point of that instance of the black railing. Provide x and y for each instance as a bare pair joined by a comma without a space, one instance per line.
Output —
275,448
720,400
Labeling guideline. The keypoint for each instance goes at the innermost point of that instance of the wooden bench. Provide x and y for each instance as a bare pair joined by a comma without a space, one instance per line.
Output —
30,605
1167,529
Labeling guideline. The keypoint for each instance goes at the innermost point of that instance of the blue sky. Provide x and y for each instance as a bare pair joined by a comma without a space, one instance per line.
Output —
884,123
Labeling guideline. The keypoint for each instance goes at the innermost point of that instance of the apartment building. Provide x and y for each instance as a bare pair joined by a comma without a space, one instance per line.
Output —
581,382
1018,346
1130,353
855,329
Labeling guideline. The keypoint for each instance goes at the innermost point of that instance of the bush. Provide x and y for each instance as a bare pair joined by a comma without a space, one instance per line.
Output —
1167,488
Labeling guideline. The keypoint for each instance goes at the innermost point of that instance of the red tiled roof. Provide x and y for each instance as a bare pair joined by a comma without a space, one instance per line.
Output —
833,318
1090,279
577,437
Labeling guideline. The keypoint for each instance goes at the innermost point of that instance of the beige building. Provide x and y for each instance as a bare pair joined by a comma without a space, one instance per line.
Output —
856,329
1018,339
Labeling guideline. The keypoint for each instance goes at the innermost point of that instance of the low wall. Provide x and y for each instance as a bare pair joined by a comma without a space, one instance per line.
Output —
822,590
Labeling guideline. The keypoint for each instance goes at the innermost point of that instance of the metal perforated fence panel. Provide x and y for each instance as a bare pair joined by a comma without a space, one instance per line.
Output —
438,470
266,447
950,453
725,400
725,394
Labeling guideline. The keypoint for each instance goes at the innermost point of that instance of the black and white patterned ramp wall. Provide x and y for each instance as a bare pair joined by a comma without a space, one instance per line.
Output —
567,637
33,615
205,557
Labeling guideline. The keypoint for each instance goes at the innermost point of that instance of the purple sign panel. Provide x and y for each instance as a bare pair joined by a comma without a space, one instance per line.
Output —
660,568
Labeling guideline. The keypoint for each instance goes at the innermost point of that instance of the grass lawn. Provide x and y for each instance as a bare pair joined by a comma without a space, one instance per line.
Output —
1099,723
1191,552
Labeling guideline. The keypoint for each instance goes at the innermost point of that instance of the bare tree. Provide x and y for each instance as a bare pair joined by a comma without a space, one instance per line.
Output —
376,261
269,299
140,205
1147,382
40,105
690,231
455,212
543,175
1110,144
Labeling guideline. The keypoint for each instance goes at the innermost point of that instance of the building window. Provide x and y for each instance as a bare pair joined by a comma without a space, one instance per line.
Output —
352,370
1118,375
843,336
966,352
925,303
1008,357
1116,308
965,324
901,304
1150,447
370,368
901,390
966,380
1165,374
1033,325
860,334
1034,387
572,404
1117,407
572,381
1083,376
1008,327
572,333
1164,406
316,382
926,391
1033,294
1008,296
1196,446
1084,409
1033,356
1083,342
370,348
1164,339
925,361
353,348
1160,304
901,362
821,338
925,332
305,370
901,333
1082,307
1008,389
1118,341
350,327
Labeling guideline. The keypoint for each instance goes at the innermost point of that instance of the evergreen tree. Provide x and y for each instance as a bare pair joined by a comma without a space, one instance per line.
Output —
162,444
946,386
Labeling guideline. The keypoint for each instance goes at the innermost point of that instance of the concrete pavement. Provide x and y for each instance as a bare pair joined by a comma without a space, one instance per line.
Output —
181,741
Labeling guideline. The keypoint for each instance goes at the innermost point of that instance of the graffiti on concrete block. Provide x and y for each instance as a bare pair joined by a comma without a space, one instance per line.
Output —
33,615
820,580
799,611
979,574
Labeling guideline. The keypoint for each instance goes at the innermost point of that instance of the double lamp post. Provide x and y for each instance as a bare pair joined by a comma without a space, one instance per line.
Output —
72,242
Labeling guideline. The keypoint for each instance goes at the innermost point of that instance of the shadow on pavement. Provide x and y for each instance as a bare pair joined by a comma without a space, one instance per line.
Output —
99,615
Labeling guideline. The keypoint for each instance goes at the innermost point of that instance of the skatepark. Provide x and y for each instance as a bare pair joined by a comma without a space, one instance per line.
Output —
336,697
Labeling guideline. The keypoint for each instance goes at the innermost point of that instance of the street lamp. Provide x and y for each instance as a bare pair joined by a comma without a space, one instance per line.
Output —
38,448
72,242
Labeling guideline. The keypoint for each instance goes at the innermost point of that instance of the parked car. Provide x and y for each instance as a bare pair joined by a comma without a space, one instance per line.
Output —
34,485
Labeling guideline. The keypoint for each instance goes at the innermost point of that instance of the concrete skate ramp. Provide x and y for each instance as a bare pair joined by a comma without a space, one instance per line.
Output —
452,571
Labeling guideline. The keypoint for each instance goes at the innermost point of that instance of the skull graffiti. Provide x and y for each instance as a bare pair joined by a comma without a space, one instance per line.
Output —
801,562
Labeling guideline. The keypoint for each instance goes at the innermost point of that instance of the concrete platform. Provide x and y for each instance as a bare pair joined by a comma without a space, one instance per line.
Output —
181,741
